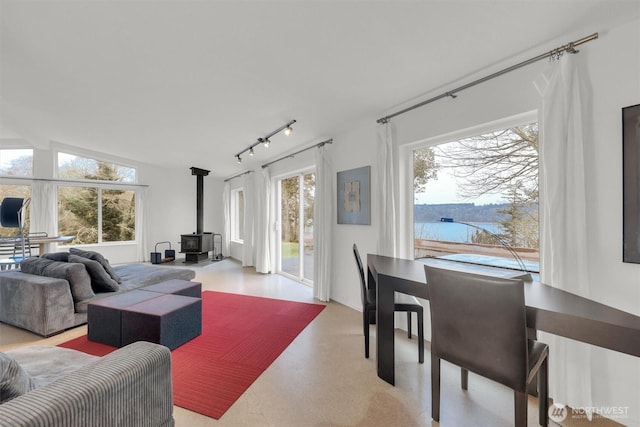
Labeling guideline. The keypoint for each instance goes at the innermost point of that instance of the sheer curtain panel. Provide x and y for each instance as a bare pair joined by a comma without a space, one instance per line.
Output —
44,215
249,202
226,205
386,184
323,209
142,227
262,221
564,236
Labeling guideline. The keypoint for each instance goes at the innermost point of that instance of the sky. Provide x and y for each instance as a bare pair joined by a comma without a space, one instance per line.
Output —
445,190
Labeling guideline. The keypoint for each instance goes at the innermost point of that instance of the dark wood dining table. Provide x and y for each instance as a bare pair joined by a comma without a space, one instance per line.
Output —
548,309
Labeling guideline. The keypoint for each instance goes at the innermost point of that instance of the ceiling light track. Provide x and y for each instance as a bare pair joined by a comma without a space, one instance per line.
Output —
265,140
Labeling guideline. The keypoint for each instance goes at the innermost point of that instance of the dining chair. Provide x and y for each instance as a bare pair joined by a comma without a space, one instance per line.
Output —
402,303
479,324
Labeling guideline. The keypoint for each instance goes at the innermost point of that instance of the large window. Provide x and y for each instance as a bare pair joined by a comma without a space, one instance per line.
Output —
95,212
486,189
237,215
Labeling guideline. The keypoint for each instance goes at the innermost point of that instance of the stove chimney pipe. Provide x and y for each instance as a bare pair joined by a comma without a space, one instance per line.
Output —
200,174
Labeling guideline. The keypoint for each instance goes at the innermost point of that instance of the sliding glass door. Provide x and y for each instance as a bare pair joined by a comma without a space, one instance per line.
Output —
296,198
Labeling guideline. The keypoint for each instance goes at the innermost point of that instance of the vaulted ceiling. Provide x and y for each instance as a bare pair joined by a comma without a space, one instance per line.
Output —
191,83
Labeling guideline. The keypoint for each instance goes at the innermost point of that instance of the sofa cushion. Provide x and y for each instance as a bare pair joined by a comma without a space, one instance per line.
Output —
96,256
14,380
46,364
74,273
100,280
57,256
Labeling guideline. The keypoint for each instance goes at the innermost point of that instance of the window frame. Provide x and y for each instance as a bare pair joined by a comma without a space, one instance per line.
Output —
406,240
99,185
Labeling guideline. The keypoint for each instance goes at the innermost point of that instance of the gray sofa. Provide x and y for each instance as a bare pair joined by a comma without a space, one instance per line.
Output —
128,387
46,306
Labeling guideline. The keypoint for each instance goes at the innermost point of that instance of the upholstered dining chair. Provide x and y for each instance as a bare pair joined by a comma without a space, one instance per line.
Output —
478,323
402,303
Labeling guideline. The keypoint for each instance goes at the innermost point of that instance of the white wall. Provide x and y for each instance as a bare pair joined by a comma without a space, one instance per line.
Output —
614,69
172,205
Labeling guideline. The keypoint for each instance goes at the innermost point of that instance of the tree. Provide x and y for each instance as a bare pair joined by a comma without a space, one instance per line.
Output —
78,206
491,163
424,168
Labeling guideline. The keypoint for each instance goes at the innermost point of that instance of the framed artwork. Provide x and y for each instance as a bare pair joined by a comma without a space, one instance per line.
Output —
631,184
354,196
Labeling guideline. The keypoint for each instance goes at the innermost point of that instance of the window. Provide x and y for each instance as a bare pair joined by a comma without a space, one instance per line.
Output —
71,166
487,185
16,161
237,215
95,212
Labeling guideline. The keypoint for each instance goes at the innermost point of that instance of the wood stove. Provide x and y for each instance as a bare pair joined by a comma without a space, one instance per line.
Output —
196,246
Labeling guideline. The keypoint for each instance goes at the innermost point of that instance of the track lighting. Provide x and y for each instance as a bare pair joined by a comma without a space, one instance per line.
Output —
265,140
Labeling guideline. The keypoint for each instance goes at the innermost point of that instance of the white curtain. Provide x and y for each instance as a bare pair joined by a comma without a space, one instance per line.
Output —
262,221
247,246
563,229
386,185
43,210
323,209
142,227
226,234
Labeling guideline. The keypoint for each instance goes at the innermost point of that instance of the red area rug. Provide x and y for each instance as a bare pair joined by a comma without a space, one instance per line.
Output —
241,336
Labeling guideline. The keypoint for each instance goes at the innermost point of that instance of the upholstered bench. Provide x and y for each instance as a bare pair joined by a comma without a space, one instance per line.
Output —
185,288
170,320
103,315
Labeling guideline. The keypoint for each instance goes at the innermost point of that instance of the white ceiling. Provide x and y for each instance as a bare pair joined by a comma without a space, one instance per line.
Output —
191,83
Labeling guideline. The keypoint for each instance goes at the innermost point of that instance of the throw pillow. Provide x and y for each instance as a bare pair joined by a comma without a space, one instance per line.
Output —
96,256
76,274
100,280
57,256
14,380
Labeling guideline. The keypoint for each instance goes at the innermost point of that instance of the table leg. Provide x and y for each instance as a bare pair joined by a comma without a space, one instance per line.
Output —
385,345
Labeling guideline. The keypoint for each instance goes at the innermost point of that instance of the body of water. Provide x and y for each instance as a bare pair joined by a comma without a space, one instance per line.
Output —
451,231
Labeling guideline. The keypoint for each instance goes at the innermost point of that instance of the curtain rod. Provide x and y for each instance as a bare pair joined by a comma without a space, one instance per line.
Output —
555,53
236,176
74,181
320,144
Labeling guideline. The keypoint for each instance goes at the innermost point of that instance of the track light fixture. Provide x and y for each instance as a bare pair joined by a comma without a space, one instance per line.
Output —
265,140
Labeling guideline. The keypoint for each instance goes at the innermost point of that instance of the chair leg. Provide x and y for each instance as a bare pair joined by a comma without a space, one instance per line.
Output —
520,404
543,393
420,338
464,378
365,322
409,324
435,388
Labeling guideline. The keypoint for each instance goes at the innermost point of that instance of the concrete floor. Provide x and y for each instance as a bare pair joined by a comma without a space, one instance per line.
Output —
322,379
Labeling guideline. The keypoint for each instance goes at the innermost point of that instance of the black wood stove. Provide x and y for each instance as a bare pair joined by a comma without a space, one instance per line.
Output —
196,246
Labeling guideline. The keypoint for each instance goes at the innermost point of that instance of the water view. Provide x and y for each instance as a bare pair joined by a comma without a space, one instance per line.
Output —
451,231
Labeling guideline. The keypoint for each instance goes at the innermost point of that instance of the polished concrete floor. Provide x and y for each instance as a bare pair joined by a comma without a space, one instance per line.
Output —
322,379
